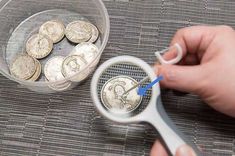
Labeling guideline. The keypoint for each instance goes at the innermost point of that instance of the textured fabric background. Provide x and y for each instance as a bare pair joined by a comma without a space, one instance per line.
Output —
67,124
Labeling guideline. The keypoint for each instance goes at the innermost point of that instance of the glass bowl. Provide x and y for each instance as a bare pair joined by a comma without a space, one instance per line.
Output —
22,18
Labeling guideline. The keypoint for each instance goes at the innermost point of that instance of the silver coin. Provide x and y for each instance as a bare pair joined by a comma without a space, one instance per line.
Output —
60,87
112,95
54,29
53,69
39,46
78,31
86,50
94,33
72,65
23,67
38,71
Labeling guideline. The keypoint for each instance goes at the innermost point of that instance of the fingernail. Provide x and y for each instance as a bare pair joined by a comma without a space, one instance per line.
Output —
156,69
170,74
185,151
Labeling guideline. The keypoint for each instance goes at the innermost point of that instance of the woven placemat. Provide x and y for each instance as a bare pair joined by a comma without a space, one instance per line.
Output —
67,123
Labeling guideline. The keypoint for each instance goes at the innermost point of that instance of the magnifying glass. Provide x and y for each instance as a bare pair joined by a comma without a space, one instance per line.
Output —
119,73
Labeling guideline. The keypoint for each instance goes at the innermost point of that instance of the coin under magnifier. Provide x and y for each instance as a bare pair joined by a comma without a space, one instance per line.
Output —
39,46
54,29
78,31
113,98
86,50
23,67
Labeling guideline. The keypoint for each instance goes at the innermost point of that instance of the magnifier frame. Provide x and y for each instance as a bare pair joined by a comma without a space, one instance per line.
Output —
118,60
154,112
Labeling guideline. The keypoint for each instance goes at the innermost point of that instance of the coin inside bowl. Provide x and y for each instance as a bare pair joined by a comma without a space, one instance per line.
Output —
30,26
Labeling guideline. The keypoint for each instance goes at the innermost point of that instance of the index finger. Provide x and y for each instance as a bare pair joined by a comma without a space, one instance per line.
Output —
193,40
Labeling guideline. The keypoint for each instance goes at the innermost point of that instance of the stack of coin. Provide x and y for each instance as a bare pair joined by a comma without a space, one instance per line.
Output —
53,73
26,67
38,72
81,31
85,34
40,45
82,55
59,67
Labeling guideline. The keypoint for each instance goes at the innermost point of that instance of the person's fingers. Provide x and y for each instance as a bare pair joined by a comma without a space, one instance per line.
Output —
195,39
171,54
185,151
189,59
182,78
158,150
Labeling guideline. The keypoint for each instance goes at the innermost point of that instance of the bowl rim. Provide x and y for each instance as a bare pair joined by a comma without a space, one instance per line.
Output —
68,79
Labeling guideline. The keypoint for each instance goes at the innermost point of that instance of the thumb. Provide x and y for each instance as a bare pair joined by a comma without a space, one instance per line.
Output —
181,78
185,151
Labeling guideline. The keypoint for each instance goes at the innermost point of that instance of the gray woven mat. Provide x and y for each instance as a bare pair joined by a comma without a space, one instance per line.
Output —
67,124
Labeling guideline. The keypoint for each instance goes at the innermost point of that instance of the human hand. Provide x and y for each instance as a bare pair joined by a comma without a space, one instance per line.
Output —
207,69
208,66
158,150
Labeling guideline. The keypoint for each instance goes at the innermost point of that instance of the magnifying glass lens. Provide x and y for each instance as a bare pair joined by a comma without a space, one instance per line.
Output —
114,82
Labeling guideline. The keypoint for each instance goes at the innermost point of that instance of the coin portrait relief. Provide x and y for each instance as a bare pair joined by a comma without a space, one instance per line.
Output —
74,65
113,97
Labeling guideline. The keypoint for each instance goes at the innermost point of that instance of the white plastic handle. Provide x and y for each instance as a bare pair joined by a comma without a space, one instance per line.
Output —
173,61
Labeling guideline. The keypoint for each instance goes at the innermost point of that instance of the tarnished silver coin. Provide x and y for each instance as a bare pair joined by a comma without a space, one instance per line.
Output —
78,31
86,50
112,95
94,33
53,69
38,71
60,87
23,67
72,65
39,46
54,29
